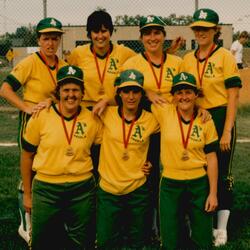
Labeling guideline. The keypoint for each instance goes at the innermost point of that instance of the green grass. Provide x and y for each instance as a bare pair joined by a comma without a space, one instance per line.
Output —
239,226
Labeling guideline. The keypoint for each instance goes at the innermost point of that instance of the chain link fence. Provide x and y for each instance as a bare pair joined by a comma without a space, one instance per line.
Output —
19,17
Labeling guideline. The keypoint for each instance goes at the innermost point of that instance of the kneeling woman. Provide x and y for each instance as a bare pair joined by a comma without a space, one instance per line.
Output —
57,147
123,202
188,155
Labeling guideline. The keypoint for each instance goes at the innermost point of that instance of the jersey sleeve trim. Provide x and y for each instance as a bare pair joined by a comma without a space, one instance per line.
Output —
211,147
233,82
28,147
13,82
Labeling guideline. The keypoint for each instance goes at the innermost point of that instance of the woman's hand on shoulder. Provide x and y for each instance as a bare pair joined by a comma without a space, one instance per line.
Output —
155,98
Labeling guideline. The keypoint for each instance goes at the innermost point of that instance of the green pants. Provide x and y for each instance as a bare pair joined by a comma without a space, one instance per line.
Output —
63,215
124,219
174,197
225,160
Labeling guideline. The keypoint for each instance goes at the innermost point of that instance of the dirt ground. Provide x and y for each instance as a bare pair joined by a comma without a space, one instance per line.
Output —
245,90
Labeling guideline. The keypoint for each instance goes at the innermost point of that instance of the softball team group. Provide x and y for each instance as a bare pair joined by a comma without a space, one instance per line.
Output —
118,148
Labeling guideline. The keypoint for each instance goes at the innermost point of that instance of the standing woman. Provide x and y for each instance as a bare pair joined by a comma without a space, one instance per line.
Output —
100,60
218,78
158,68
123,198
36,75
56,146
189,177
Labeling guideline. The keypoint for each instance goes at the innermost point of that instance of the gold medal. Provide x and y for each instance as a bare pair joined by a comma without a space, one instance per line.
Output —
185,156
159,92
125,156
69,151
101,91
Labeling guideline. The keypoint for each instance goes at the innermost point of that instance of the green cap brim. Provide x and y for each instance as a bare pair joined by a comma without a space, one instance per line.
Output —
202,24
48,30
151,25
126,84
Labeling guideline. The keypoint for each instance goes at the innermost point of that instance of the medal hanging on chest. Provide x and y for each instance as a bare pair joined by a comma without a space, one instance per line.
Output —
69,151
185,154
125,155
157,81
200,76
101,90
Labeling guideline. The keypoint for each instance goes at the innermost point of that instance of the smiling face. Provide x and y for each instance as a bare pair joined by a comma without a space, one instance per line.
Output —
100,39
153,39
185,99
70,98
131,97
204,36
49,43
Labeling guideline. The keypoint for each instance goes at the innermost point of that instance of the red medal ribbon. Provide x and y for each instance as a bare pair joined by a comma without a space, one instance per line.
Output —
47,64
101,76
69,137
158,82
126,139
200,76
185,140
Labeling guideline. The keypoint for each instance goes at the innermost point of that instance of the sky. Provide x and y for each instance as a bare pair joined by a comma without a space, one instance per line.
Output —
16,13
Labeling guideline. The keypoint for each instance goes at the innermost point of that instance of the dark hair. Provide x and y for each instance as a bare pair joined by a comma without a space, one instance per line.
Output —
119,100
183,86
244,34
217,34
149,28
97,19
57,90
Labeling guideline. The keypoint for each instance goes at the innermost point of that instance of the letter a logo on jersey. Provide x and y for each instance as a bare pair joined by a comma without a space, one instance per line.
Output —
71,71
53,22
203,15
132,76
183,77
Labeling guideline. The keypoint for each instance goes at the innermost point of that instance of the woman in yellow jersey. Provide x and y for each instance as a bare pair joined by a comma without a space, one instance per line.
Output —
36,75
101,61
158,68
189,176
218,78
56,145
123,197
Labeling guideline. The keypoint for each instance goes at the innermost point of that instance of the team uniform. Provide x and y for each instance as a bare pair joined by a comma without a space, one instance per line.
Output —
123,196
63,188
220,74
184,179
33,76
237,47
83,57
171,67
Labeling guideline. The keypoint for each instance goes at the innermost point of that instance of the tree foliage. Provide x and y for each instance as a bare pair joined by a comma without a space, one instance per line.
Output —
22,37
170,20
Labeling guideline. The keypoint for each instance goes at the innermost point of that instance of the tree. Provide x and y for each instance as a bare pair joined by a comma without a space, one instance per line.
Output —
172,19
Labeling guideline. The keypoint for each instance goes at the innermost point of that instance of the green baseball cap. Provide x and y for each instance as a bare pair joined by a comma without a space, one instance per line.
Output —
130,77
150,21
69,74
49,24
183,80
205,18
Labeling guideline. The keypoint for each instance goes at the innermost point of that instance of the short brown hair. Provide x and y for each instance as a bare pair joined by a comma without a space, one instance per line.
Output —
244,34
